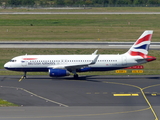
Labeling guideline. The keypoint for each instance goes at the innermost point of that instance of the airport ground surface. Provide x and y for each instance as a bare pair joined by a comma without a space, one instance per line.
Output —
89,97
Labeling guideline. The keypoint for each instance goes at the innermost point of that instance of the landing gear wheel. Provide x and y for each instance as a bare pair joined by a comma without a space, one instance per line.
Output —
75,76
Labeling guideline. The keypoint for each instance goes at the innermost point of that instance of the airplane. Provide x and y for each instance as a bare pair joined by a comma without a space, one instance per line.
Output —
64,65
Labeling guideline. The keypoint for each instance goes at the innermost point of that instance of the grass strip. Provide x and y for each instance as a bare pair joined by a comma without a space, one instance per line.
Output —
108,28
4,103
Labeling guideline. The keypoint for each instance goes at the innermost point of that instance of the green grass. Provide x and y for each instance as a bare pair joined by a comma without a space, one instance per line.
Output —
4,103
107,28
129,72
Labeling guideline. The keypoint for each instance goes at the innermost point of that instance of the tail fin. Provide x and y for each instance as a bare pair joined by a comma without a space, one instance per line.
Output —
141,46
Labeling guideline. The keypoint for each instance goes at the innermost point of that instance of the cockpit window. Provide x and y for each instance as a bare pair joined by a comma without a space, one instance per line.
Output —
12,61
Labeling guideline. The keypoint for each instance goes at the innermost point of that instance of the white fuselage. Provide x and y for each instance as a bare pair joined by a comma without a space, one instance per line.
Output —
35,63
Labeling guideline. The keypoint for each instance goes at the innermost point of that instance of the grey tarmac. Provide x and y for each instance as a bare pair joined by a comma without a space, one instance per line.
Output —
46,44
89,13
89,97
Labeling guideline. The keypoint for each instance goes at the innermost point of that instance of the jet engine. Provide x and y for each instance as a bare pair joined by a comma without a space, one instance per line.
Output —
58,72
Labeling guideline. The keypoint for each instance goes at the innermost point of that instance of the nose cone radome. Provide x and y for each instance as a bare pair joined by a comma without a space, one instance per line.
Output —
6,65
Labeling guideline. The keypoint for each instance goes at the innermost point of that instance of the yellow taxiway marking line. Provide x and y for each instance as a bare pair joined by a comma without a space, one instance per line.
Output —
154,94
21,79
125,94
151,86
154,113
141,89
135,94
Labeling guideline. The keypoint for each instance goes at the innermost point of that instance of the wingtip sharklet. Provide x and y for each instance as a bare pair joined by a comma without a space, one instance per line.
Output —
95,60
95,52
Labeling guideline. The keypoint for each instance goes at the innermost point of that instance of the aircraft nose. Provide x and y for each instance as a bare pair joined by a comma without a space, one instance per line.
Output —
6,65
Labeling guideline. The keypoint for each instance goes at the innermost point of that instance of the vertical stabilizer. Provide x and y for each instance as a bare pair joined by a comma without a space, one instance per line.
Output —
141,46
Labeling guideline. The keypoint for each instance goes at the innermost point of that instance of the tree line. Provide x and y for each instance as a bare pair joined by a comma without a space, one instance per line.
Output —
80,2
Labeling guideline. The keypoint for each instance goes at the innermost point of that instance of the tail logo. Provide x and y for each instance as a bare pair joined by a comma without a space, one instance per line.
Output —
145,47
141,46
145,38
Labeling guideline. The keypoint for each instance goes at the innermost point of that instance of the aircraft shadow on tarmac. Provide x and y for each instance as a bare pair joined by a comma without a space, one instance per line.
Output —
81,78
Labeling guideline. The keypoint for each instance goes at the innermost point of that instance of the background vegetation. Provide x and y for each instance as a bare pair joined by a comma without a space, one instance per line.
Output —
81,2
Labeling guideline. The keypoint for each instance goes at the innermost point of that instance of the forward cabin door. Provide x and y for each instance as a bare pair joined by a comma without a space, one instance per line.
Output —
24,63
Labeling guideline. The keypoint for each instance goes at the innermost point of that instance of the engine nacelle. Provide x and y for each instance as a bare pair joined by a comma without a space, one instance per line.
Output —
58,72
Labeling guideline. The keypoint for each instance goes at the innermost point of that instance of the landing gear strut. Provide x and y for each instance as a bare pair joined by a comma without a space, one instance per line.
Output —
75,74
24,76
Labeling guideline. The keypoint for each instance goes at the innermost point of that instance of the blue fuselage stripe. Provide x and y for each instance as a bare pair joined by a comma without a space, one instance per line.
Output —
46,69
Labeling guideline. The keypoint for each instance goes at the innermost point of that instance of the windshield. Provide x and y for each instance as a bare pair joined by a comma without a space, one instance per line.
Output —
12,61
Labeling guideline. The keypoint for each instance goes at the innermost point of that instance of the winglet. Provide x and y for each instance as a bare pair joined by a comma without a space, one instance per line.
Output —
95,52
95,60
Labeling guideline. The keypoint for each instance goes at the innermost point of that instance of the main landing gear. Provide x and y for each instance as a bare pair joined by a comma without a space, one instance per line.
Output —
75,76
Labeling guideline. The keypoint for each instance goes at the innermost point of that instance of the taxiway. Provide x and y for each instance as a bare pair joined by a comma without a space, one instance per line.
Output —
90,97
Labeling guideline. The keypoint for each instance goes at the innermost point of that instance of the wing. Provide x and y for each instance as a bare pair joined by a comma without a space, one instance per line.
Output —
73,67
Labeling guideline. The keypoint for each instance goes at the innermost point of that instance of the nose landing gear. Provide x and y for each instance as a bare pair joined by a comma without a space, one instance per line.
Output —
23,77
